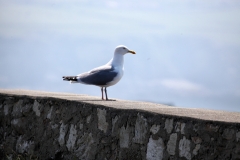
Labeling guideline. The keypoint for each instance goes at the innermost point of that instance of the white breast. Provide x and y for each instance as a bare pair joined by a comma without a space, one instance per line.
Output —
117,78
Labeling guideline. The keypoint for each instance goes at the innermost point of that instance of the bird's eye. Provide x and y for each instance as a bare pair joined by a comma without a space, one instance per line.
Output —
124,48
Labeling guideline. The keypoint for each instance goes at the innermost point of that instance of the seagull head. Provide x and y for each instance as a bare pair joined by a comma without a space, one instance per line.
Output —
123,50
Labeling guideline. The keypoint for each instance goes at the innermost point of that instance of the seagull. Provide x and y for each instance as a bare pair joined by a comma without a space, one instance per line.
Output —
106,75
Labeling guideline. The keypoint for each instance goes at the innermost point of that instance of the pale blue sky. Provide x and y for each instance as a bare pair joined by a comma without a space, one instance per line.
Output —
188,52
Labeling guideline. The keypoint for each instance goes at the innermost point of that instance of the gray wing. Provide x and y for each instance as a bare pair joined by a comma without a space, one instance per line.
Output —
98,76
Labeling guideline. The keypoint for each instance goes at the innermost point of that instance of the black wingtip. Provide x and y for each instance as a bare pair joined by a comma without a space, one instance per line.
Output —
64,78
69,78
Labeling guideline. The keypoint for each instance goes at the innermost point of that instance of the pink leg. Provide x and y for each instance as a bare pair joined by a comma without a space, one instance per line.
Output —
106,93
102,93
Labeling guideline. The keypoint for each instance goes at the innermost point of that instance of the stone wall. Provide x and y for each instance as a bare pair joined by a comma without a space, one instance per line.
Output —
50,128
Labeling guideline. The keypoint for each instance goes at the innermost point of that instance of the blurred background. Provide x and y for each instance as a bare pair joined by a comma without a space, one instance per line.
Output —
188,52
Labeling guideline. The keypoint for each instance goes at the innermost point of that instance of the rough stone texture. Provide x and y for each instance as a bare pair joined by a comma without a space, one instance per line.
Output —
238,136
169,125
72,137
124,136
171,145
155,149
184,148
141,127
43,127
62,133
155,128
102,124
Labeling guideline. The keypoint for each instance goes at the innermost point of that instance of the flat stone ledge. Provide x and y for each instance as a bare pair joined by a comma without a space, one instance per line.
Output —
202,114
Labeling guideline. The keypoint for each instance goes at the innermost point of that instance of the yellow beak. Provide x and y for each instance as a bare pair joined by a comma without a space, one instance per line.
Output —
131,52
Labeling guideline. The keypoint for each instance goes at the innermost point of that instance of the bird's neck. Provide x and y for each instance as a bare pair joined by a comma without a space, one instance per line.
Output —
117,60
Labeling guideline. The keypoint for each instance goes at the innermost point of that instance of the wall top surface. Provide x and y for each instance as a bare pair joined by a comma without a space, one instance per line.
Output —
202,114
